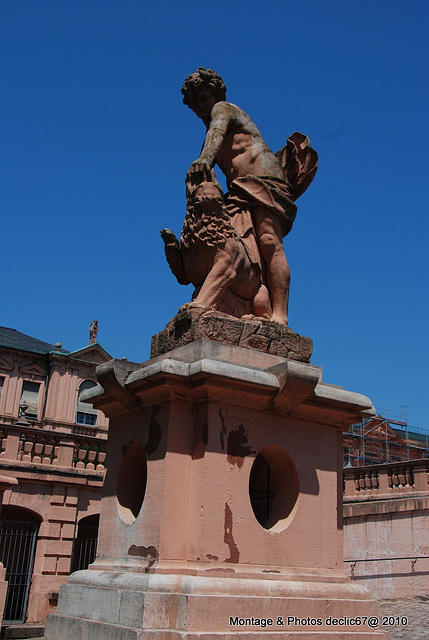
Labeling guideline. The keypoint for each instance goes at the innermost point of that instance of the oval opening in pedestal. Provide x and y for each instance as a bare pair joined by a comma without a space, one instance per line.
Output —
273,488
132,480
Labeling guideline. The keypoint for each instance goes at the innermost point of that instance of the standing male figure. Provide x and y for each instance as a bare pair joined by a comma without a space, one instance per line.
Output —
259,199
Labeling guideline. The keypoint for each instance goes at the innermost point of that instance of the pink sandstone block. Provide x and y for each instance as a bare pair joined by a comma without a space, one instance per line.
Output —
59,548
50,530
63,566
58,494
63,514
68,532
50,565
72,496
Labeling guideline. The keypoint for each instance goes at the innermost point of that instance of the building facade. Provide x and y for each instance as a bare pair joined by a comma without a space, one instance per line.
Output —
54,445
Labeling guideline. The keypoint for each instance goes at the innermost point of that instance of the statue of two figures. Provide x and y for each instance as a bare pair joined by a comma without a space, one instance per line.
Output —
231,248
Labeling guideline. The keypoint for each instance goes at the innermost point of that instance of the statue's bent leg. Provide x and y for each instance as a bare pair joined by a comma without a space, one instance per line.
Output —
217,281
262,304
232,270
270,239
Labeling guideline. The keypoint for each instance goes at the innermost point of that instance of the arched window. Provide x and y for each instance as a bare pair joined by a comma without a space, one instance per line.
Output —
85,544
85,412
18,535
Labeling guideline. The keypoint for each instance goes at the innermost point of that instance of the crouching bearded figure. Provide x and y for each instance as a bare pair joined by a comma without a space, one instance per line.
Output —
236,260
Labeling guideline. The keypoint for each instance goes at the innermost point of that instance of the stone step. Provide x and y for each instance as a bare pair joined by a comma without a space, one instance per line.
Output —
22,631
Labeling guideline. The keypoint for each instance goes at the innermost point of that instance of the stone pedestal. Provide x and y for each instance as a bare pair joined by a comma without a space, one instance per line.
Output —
221,514
190,325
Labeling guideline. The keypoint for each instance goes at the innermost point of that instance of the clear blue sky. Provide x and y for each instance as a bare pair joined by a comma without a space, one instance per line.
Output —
96,142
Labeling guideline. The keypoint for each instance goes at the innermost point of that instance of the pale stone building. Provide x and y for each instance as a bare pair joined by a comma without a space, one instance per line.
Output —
386,528
54,445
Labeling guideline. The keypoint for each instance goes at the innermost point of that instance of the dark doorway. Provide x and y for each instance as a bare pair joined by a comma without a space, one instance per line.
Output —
18,535
85,545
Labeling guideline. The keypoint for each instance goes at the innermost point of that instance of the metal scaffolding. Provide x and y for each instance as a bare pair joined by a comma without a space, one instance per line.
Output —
384,439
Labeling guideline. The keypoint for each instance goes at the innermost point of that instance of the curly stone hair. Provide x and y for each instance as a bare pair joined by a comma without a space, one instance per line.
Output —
205,77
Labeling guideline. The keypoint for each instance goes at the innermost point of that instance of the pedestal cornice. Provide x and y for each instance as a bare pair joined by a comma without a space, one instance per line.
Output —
234,374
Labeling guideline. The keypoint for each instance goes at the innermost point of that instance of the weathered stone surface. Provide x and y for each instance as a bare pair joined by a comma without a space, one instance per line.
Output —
292,341
257,342
249,328
278,349
306,349
190,325
219,328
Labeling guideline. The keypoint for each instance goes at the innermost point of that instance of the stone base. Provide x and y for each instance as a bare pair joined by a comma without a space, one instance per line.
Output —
269,337
112,605
22,631
185,551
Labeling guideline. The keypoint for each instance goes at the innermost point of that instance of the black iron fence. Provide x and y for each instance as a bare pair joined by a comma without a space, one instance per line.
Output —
18,535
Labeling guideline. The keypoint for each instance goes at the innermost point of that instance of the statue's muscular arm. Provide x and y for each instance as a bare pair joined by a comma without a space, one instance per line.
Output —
235,143
220,120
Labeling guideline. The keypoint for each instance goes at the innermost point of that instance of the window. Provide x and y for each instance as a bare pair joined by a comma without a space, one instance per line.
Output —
29,403
85,412
85,544
1,386
346,456
86,418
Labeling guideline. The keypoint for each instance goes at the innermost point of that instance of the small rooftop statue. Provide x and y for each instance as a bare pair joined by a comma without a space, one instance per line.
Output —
231,246
93,330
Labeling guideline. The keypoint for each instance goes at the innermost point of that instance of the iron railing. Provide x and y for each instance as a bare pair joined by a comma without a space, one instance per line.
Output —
18,535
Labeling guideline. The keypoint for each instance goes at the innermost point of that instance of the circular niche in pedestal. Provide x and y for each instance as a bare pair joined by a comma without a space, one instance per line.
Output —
132,480
273,488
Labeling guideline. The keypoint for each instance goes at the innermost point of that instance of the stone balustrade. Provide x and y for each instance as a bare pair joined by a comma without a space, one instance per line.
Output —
387,479
22,443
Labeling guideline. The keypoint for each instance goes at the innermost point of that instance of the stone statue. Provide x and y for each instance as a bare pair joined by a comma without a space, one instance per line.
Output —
93,330
238,265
